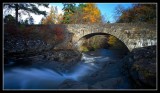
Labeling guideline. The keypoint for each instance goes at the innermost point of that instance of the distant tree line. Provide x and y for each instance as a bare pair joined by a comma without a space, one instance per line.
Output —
83,13
137,13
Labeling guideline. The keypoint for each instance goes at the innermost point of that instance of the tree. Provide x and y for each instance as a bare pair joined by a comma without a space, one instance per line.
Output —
91,13
31,20
83,13
108,22
26,7
145,12
118,11
78,14
105,19
59,19
26,22
69,10
51,18
41,22
112,40
127,16
139,13
9,19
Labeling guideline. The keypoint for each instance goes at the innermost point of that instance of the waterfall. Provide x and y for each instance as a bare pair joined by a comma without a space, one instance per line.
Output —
32,78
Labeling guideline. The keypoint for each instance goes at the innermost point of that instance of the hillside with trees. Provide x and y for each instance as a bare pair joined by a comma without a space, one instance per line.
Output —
137,13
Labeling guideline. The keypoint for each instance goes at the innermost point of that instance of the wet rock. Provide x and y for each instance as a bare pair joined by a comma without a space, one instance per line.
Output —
145,52
145,69
141,65
71,84
27,44
112,83
8,61
50,59
63,56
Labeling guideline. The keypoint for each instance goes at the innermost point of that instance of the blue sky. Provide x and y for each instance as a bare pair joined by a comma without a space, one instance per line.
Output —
106,9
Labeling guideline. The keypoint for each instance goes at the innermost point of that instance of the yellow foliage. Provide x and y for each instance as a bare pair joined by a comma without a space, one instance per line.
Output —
91,13
83,49
112,40
52,18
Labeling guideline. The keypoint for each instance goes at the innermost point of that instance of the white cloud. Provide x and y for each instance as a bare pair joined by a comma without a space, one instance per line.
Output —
6,12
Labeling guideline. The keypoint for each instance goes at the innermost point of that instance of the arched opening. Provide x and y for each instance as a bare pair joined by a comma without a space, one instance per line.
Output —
94,41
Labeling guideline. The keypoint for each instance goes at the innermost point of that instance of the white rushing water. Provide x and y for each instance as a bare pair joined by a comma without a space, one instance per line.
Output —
34,78
88,67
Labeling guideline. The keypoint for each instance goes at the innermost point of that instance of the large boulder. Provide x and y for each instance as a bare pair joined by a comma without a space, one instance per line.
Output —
141,65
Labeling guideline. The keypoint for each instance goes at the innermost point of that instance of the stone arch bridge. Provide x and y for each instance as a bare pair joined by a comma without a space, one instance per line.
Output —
131,34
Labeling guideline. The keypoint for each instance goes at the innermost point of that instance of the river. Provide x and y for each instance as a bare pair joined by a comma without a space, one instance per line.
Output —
100,69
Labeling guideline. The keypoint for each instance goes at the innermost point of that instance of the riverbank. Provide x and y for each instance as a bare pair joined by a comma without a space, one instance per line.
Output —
57,59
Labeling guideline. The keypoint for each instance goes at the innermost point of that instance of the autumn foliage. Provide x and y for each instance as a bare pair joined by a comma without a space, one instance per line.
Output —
84,13
50,35
139,13
52,18
91,13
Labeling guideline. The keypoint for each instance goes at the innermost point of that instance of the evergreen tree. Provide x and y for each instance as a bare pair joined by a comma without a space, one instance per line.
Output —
69,10
27,7
51,18
9,19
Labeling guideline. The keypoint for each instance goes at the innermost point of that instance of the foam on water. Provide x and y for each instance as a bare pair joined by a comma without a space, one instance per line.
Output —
43,78
33,78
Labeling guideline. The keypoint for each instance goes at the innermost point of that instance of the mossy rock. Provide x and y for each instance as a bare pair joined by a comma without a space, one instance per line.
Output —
83,49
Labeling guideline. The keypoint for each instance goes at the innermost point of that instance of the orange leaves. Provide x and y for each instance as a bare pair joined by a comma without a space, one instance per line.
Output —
46,33
91,13
60,18
52,18
139,13
83,13
51,35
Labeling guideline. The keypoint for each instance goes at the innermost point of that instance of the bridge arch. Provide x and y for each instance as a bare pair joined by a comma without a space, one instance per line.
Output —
87,36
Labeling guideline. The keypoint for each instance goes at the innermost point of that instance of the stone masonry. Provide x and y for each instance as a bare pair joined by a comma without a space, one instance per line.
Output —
132,35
